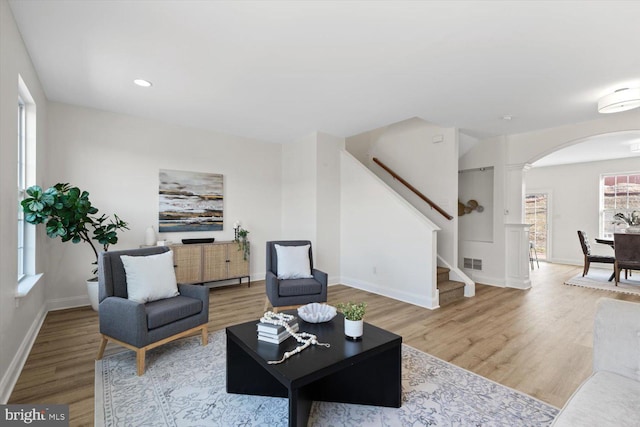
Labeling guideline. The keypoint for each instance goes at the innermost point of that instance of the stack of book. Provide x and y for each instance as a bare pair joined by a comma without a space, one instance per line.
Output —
275,334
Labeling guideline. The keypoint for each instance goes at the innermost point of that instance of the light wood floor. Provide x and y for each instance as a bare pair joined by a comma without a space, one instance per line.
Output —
536,341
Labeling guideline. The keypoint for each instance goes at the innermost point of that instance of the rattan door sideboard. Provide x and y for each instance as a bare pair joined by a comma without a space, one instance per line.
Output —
209,262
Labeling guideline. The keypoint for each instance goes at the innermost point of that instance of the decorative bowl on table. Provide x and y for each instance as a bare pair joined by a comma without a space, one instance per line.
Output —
316,313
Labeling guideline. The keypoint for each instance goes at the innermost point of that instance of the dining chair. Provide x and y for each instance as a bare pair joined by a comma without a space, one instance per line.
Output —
627,253
533,254
588,256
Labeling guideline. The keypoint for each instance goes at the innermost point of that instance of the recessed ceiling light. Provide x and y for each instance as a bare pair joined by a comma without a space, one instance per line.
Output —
507,117
142,82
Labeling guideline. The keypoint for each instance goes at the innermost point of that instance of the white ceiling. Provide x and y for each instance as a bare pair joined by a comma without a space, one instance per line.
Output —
278,70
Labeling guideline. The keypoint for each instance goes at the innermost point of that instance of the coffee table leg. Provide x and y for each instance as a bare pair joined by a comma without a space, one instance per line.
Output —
299,407
375,381
246,376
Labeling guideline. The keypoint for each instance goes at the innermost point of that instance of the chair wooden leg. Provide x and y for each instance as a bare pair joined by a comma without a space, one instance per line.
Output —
586,266
616,272
205,336
103,345
140,354
266,303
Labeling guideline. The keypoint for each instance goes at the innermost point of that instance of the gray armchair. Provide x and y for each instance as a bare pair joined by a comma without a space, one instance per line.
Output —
141,327
288,292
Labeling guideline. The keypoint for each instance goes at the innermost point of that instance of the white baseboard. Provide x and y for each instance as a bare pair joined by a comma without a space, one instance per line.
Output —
333,280
566,261
9,379
519,283
69,302
411,298
488,280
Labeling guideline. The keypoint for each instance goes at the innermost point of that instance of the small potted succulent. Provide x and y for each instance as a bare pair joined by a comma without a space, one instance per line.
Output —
353,314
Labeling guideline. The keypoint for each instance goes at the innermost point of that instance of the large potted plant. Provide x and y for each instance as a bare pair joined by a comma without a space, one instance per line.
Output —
68,213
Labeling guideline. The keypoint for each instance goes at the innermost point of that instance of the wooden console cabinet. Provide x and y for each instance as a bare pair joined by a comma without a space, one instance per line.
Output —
209,262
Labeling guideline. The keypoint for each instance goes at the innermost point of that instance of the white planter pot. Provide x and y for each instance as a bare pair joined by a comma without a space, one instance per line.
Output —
92,290
353,328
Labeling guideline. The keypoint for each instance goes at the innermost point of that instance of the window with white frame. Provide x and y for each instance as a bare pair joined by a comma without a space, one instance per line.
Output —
619,193
22,185
26,256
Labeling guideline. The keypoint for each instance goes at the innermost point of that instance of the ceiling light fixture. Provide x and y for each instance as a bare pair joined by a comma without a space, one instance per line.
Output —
507,117
621,100
142,82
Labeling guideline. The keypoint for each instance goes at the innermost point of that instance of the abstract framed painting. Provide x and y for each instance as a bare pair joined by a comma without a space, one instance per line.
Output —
190,201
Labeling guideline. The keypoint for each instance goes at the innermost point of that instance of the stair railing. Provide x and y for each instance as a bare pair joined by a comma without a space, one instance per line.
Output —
412,188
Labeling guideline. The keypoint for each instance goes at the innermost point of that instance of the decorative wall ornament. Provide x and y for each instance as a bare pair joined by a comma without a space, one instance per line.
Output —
472,205
190,201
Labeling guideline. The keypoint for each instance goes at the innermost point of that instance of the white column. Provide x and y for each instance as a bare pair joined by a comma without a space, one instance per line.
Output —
516,233
514,192
517,256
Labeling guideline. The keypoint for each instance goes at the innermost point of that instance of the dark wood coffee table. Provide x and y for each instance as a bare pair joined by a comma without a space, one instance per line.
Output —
368,371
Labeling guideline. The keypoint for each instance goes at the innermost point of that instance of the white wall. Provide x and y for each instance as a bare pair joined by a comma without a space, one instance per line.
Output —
311,197
299,188
18,323
488,153
386,245
408,148
575,192
117,158
476,184
328,205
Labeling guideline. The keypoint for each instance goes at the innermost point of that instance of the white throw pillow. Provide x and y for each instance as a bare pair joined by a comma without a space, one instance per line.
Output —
150,278
293,262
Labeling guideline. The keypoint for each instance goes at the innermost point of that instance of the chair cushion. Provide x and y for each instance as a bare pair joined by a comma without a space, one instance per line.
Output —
295,287
169,310
293,262
150,278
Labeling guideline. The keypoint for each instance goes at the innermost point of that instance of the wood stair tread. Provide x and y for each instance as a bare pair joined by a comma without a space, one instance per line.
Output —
449,286
449,290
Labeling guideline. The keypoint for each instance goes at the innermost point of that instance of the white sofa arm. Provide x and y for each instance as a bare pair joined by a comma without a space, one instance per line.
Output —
616,339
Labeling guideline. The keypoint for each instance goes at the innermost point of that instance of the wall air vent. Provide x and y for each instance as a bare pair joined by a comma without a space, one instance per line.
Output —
473,264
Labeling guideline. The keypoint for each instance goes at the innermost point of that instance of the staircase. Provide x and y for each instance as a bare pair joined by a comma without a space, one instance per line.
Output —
450,291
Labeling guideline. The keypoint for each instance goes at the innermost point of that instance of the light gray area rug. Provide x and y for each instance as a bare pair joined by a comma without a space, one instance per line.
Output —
597,278
184,385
